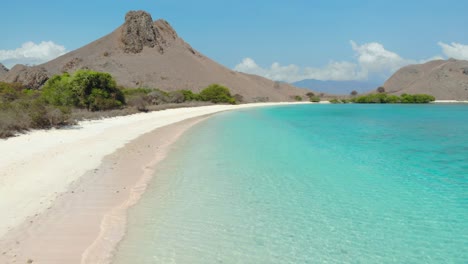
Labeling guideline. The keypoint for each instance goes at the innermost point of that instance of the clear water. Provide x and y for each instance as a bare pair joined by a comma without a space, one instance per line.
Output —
310,184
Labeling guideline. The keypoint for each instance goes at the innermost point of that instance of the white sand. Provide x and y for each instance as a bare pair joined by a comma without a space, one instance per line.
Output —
450,102
36,167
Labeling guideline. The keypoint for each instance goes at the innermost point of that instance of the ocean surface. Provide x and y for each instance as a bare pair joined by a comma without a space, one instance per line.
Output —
310,184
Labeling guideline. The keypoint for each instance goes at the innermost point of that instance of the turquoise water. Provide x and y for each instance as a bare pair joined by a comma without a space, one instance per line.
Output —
310,184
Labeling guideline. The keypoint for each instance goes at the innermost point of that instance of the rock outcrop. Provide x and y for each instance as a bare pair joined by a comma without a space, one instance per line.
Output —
444,79
3,70
138,32
30,77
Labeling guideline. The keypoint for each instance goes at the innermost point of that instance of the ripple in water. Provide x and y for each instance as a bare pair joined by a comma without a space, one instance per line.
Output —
310,184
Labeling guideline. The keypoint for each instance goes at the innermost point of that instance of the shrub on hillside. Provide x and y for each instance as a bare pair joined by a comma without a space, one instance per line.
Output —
216,93
190,96
314,99
382,98
88,89
417,98
30,111
239,98
176,97
10,91
297,98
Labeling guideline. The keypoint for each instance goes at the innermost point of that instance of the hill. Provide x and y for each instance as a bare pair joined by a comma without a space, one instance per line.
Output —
444,79
336,87
3,70
147,53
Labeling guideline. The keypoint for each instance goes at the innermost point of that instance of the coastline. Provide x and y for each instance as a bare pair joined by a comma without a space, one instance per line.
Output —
73,214
450,102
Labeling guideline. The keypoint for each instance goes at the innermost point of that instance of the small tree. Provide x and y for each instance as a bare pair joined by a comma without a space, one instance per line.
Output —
381,89
190,96
354,93
239,98
216,93
314,99
84,89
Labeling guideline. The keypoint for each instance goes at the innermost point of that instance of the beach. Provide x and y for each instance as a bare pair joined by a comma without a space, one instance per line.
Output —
64,192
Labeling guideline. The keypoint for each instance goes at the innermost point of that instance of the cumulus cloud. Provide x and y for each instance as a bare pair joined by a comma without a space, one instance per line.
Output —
372,61
455,50
291,73
31,53
374,58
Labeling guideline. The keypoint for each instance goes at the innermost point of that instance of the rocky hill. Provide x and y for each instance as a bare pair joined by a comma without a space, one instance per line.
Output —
147,53
3,70
444,79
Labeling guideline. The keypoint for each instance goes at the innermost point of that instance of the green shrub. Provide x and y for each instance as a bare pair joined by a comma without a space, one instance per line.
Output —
190,96
298,98
30,111
314,99
382,98
417,98
10,91
216,93
335,101
239,98
84,89
176,97
135,91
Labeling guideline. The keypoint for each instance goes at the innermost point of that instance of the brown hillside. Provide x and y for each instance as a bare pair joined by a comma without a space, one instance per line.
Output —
143,53
3,70
444,79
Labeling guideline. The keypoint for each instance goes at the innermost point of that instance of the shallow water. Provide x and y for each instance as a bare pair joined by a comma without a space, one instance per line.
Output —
310,184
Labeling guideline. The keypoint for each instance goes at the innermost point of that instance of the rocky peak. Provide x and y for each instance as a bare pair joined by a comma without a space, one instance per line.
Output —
3,70
138,32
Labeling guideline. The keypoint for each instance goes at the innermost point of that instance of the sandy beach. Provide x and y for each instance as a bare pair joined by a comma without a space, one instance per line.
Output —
450,102
64,193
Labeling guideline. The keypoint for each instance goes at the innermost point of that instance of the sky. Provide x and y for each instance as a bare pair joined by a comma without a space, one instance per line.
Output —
365,40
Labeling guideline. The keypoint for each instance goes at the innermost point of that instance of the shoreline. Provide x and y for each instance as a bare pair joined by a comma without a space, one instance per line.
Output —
449,102
43,205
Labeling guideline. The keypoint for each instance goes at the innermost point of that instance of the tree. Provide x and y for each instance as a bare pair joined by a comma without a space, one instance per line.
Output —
216,93
381,89
314,99
354,93
239,98
88,89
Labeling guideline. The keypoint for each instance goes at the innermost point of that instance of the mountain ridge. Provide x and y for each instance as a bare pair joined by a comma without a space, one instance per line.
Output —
3,70
443,79
147,53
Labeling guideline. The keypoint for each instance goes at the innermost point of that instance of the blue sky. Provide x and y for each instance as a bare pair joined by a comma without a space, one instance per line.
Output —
283,40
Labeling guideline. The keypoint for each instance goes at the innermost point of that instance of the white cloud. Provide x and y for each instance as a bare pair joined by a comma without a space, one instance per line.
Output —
372,61
374,58
31,53
338,71
291,73
455,50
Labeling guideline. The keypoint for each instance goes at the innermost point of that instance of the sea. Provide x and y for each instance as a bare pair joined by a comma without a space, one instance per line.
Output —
339,183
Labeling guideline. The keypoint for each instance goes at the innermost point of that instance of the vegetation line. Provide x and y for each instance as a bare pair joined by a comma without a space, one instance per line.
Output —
66,98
